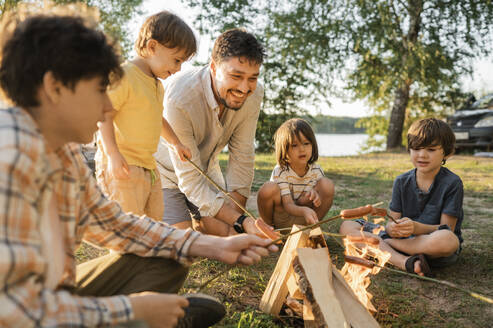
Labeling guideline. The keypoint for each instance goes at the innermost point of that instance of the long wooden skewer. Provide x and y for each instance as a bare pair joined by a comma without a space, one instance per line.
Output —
220,188
369,264
390,217
311,226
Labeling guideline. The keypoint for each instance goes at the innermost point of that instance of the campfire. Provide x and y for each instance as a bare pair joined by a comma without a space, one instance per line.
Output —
306,281
357,276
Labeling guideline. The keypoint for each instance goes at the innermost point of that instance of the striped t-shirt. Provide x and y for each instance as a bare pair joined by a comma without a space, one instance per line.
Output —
291,183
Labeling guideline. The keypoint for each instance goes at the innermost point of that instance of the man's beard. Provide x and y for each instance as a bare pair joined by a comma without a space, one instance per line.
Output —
226,105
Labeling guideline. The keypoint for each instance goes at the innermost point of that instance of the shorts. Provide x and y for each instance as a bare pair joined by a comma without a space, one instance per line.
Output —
177,208
140,194
436,262
281,219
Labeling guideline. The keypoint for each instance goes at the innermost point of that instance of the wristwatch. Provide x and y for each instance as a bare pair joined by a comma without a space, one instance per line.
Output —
238,225
443,227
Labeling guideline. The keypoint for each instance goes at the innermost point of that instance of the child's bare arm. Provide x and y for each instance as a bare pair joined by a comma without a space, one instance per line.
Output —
309,198
406,227
117,165
172,139
421,228
291,208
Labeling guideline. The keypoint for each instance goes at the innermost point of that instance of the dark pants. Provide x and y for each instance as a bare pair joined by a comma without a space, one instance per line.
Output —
116,274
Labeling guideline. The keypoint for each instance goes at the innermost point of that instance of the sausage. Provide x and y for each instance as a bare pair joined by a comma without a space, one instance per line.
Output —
363,239
354,213
266,230
377,211
359,261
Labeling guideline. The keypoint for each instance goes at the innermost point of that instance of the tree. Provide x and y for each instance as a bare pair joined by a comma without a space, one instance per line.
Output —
114,15
404,58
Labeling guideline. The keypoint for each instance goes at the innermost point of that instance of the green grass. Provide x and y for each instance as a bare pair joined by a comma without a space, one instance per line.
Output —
400,301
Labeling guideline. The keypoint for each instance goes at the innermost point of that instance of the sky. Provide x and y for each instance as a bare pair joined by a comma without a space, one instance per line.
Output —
480,82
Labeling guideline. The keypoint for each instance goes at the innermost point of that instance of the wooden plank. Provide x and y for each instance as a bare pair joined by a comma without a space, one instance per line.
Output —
313,268
308,317
293,288
295,305
356,314
317,238
277,289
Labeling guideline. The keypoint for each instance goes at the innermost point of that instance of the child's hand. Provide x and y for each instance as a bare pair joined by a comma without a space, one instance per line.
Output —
118,167
182,151
310,216
314,197
309,198
403,228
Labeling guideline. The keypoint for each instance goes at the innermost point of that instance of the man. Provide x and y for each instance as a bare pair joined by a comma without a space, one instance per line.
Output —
55,70
210,108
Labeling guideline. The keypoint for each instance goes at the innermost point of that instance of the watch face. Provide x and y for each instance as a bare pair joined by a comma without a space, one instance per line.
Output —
238,228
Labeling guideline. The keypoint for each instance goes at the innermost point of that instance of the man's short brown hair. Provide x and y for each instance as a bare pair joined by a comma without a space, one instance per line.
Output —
237,43
169,30
431,132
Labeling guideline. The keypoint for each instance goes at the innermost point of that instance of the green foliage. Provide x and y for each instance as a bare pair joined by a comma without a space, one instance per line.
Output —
376,48
266,127
114,16
334,124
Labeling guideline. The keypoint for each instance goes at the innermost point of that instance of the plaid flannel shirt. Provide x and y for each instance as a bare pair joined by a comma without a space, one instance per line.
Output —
28,181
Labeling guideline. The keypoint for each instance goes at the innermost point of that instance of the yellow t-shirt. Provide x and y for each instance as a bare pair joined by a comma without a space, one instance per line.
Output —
138,101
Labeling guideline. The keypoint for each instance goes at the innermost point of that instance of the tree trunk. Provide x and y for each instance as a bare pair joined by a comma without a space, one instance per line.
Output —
394,136
401,99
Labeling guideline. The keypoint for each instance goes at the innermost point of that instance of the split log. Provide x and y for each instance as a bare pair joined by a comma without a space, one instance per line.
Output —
295,305
317,238
313,269
294,289
277,290
356,314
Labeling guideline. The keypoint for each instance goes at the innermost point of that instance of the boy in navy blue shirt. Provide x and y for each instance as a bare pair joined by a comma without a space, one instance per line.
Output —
426,204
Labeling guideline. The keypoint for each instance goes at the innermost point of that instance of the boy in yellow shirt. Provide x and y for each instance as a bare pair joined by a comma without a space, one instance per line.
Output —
125,166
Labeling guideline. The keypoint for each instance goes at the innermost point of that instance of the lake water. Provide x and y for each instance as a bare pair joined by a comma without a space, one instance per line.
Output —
340,144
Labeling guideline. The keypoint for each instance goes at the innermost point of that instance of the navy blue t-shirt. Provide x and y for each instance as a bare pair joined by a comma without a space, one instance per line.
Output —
444,196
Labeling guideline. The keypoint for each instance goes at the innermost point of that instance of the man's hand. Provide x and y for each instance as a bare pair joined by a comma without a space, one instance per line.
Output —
182,151
310,216
238,249
310,198
403,228
117,166
158,310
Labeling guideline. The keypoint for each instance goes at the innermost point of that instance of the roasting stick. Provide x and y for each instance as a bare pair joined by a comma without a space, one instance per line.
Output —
312,226
220,188
370,264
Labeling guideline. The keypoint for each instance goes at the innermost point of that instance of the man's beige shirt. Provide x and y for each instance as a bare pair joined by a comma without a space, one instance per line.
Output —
192,111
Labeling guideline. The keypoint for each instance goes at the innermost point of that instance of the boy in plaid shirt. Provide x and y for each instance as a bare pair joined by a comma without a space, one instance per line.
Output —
55,70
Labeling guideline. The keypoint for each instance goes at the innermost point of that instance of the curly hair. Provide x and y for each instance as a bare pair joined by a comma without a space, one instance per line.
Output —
238,43
169,30
431,132
63,45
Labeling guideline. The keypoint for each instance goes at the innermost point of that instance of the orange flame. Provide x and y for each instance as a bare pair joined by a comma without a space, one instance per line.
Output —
378,220
358,276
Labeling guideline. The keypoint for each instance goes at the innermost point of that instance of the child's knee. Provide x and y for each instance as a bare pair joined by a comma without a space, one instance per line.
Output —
446,241
348,227
269,190
325,186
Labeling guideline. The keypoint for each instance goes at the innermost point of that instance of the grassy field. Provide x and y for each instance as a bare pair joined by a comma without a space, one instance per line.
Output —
401,301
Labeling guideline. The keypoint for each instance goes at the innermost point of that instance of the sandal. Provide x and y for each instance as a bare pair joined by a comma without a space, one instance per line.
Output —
425,268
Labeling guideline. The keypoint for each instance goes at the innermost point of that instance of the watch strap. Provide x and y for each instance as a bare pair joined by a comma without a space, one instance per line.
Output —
238,225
